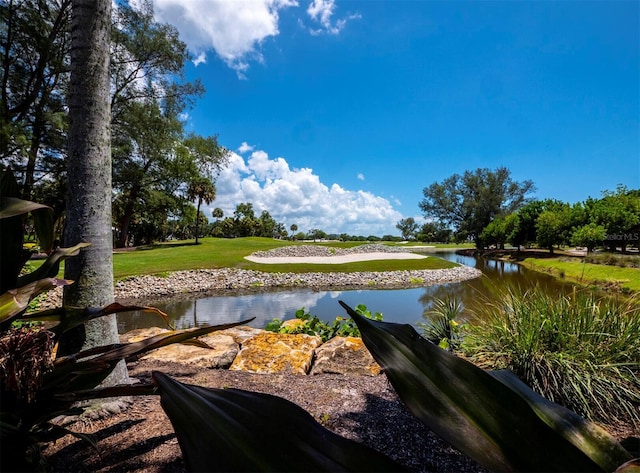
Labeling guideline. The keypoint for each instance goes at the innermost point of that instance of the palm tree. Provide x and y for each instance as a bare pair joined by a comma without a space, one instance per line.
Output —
202,190
293,229
89,177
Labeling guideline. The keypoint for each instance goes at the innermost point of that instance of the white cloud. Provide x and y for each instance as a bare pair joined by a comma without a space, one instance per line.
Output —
200,59
360,176
245,147
234,29
297,196
321,12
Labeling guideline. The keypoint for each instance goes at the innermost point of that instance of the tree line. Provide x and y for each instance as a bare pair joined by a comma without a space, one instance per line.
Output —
158,168
489,208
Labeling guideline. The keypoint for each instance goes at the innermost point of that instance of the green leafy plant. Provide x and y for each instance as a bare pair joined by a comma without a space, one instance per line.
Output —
312,325
578,350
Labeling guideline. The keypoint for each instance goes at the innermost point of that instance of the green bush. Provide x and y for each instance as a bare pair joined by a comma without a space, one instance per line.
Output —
578,350
312,325
612,259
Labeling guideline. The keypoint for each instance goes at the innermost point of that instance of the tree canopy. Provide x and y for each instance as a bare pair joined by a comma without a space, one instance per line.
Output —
408,227
469,202
147,95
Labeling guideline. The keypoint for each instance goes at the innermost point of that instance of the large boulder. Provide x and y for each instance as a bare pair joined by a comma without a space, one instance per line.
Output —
345,355
223,349
269,352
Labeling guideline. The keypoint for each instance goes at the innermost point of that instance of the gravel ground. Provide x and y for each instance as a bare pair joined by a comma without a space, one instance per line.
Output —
362,408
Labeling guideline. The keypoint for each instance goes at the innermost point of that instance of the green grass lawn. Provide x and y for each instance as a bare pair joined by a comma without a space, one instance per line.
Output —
602,276
229,253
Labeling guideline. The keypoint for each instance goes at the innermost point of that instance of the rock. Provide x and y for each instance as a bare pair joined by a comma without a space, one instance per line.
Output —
241,333
221,354
270,352
141,334
345,355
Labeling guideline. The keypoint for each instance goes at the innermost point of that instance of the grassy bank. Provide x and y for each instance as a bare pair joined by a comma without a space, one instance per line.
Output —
229,253
598,275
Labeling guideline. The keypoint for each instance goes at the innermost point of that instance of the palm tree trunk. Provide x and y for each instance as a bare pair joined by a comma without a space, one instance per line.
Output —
89,176
197,218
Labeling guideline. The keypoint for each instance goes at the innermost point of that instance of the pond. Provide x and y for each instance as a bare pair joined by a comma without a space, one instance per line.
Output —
396,305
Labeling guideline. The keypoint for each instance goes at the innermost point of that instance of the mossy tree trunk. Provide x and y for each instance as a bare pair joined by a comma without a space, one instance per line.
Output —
89,176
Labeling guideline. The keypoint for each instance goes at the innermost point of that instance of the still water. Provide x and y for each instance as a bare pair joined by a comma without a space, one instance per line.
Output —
396,305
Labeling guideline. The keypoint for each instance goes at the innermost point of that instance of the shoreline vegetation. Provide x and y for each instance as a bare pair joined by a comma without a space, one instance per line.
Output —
614,274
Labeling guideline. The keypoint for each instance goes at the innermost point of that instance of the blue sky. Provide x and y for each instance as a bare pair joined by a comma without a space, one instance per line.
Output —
339,113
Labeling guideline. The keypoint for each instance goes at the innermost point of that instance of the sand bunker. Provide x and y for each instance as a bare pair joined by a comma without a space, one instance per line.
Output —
337,259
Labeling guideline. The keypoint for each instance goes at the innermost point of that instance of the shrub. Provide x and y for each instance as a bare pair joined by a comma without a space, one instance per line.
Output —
612,259
578,350
340,327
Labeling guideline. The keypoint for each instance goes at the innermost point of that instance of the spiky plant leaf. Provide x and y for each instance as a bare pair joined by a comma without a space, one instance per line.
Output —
15,301
71,317
234,430
472,410
12,255
590,438
632,466
50,267
12,206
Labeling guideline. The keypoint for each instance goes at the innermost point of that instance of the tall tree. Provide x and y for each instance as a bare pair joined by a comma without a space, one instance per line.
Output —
245,222
144,159
89,173
408,228
551,228
201,190
470,202
619,213
34,67
268,226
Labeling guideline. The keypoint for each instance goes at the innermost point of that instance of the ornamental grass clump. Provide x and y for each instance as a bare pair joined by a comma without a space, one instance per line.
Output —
578,350
442,326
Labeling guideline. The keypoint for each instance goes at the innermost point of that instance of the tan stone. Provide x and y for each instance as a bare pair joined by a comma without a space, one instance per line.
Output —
141,334
270,352
241,333
221,354
345,355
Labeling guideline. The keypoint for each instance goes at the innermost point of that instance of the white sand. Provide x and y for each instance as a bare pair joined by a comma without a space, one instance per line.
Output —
338,259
